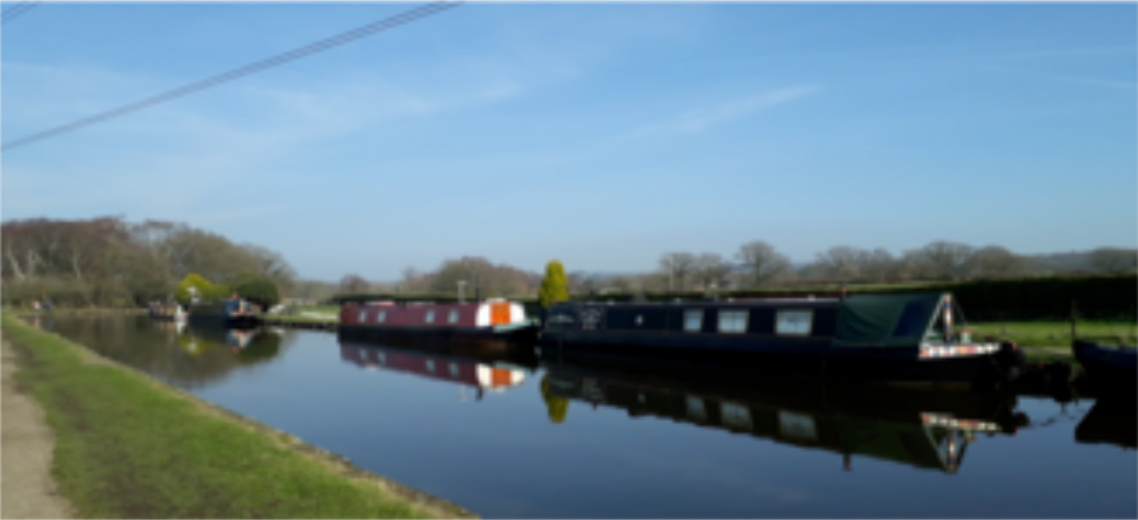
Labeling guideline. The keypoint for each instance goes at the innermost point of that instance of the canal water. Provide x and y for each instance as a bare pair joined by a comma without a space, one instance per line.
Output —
510,437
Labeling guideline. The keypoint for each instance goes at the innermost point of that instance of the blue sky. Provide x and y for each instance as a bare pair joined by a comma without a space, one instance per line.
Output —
600,134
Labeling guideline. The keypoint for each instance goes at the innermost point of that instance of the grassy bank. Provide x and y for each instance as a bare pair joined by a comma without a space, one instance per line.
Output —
1057,333
309,314
130,447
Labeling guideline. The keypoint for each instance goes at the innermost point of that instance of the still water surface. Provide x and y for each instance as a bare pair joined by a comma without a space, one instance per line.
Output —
514,439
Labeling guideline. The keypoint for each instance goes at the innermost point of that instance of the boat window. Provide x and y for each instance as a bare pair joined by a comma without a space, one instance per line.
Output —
797,426
696,409
363,316
453,316
430,365
693,320
381,317
733,321
382,357
734,415
793,322
430,316
453,370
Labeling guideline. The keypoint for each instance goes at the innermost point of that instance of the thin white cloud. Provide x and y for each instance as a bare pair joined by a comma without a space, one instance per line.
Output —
706,118
1099,82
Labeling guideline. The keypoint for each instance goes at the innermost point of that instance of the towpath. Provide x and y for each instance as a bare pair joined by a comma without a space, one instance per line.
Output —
28,490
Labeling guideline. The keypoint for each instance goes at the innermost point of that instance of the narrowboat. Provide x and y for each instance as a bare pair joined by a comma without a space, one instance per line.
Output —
247,315
493,323
482,376
1110,368
900,339
932,435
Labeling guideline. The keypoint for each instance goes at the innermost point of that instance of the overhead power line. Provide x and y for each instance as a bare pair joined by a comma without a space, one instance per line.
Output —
15,11
252,68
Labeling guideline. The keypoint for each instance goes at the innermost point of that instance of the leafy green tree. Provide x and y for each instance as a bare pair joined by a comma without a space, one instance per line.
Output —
205,288
555,286
217,293
258,289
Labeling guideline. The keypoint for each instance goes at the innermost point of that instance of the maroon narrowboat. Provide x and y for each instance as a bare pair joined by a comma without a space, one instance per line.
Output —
491,323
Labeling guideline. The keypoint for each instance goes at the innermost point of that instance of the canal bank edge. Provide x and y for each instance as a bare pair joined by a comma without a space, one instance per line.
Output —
334,464
28,488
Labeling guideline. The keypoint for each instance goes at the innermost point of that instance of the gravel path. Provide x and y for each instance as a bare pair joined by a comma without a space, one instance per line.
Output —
27,442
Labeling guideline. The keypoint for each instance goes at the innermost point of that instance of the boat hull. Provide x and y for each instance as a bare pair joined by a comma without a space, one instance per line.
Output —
787,359
520,338
1109,369
234,322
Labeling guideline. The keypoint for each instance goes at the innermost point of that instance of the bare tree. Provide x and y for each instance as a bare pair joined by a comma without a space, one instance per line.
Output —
678,267
878,265
313,289
353,284
271,265
995,262
413,281
940,260
578,282
1114,260
711,270
840,262
481,277
105,261
763,263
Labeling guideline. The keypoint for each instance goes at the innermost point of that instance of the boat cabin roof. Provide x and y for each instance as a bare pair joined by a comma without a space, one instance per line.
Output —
759,302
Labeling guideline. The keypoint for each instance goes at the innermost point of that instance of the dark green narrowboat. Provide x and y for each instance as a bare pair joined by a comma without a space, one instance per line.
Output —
897,338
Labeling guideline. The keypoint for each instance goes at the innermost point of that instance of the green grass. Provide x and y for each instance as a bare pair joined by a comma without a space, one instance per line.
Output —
128,447
322,309
1057,333
301,319
309,314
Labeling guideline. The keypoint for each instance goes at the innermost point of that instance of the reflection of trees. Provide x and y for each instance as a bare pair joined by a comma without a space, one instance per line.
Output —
558,406
192,358
263,347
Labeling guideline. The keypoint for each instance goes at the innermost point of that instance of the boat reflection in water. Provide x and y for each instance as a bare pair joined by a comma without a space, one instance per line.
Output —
247,345
1110,421
433,362
923,429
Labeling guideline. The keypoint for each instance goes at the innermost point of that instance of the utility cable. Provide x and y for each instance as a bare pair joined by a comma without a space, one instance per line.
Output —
13,12
252,68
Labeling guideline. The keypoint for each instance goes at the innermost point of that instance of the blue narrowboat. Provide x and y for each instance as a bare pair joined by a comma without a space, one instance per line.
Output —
234,313
1109,368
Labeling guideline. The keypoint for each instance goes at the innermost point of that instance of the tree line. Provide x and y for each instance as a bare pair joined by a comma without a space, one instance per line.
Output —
474,276
108,261
755,265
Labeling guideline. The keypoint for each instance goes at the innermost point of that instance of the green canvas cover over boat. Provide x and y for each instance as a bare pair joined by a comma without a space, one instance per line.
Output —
885,320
